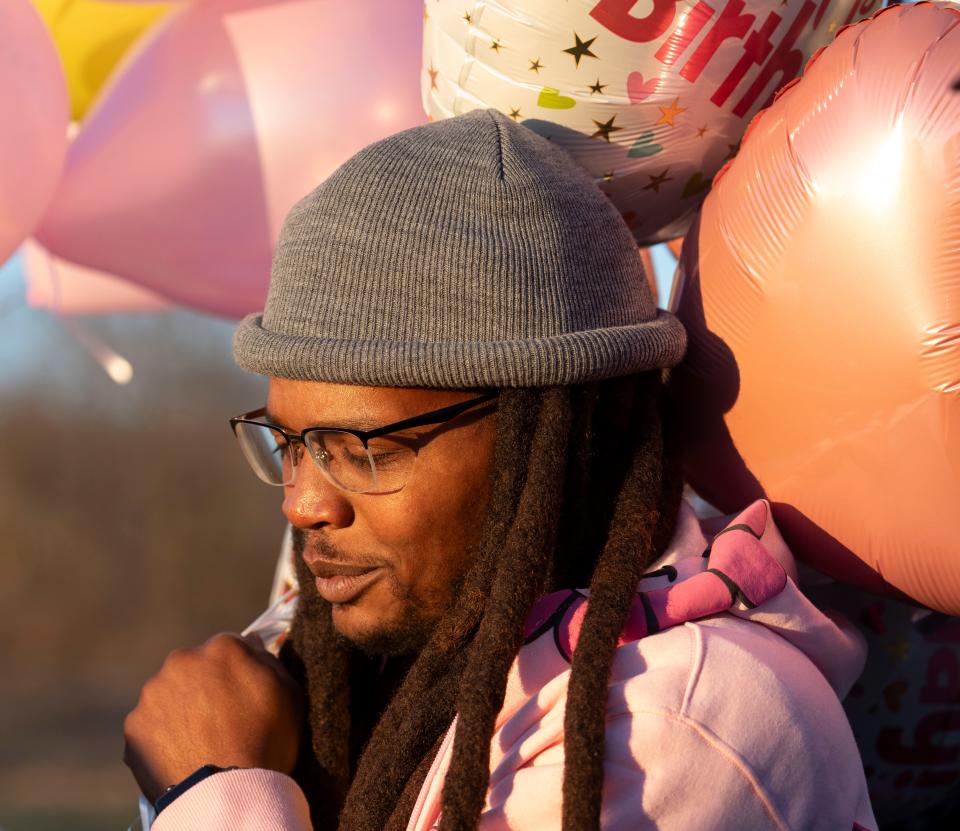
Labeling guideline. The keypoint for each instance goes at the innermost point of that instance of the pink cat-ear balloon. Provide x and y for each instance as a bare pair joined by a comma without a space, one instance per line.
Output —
34,113
229,112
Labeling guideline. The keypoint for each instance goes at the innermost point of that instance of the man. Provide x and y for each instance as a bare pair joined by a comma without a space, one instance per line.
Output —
466,414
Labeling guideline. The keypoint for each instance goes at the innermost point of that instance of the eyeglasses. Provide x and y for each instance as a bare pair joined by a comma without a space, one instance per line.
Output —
358,461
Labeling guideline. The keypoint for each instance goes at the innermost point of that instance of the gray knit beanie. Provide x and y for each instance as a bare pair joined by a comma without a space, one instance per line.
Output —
468,252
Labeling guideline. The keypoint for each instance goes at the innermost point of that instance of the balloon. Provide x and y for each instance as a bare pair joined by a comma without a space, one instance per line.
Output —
91,38
69,289
229,112
904,708
34,114
650,98
820,289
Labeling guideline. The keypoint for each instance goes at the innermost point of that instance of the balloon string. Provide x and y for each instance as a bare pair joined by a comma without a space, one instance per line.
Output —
115,365
55,284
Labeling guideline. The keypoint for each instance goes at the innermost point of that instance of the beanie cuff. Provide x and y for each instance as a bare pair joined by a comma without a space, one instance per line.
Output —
569,358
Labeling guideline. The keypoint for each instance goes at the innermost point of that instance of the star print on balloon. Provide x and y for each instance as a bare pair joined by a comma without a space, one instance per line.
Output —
695,185
605,129
668,114
656,181
629,88
580,49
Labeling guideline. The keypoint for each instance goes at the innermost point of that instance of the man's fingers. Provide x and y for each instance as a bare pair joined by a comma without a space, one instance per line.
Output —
227,701
228,646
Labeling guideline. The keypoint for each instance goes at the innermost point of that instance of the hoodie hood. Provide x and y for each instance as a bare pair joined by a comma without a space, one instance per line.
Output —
746,570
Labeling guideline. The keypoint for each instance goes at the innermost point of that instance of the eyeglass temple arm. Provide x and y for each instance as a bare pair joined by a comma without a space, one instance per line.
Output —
436,417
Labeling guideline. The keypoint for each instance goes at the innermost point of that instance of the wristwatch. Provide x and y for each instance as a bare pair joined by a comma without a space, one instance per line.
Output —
184,785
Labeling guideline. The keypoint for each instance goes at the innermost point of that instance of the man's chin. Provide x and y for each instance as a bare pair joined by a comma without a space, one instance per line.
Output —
377,638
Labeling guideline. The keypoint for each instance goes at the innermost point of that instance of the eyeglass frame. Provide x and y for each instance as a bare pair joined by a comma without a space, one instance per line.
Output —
441,416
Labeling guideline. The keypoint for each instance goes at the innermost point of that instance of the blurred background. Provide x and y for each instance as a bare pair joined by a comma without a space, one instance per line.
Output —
130,525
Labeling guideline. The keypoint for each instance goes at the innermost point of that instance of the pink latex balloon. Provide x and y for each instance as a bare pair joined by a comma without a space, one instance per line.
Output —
229,112
821,295
34,114
69,289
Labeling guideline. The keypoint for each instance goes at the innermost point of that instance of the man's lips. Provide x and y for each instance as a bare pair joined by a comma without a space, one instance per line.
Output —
341,582
342,588
334,568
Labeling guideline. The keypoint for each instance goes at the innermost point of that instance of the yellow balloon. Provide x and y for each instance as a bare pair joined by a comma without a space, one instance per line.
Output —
91,37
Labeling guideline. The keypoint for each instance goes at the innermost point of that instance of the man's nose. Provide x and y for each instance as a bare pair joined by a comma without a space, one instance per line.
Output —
312,501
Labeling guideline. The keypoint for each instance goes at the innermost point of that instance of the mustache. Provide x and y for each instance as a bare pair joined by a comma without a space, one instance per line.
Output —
320,546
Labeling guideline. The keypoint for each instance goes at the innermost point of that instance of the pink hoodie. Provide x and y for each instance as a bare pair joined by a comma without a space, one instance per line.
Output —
723,709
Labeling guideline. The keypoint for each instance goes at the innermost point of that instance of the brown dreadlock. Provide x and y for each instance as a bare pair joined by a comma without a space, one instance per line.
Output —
585,490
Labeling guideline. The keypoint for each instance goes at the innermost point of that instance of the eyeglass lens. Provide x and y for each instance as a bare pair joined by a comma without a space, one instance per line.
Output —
381,467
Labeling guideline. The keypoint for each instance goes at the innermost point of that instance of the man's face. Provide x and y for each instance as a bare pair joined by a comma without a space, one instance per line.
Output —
419,540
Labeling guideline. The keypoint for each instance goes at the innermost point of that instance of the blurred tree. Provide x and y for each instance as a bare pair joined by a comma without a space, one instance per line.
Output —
130,525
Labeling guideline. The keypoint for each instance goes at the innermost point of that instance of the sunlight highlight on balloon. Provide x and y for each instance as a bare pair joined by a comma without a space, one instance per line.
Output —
878,180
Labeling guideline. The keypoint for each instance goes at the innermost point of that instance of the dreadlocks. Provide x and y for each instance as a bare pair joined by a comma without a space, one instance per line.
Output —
585,491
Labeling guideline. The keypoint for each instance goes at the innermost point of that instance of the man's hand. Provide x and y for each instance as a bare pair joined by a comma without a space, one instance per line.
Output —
227,702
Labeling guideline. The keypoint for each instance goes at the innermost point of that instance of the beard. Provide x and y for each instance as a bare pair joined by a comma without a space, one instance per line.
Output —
404,638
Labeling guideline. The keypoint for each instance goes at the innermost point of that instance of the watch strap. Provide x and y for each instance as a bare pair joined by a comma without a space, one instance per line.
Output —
184,785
